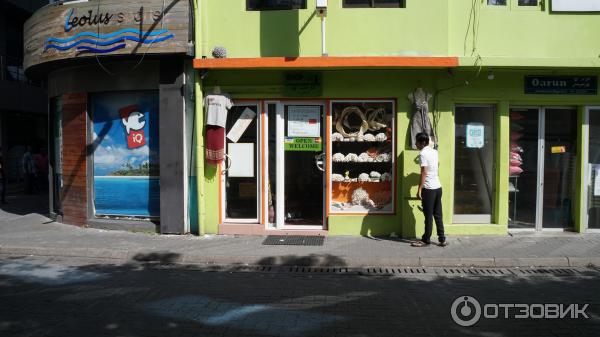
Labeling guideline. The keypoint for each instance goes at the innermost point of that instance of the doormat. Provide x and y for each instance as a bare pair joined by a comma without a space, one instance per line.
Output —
294,240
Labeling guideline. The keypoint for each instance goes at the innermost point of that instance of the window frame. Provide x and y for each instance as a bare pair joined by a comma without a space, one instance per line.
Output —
401,4
330,152
249,9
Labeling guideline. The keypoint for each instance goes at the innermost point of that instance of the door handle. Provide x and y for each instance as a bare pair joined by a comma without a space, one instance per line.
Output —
319,161
227,164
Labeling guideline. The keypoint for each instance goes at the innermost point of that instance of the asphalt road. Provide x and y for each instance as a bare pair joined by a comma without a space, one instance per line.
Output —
42,296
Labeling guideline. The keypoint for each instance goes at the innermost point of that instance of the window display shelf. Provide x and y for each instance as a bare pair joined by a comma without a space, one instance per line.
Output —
360,183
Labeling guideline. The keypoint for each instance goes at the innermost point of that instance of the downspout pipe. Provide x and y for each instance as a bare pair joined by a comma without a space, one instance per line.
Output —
199,118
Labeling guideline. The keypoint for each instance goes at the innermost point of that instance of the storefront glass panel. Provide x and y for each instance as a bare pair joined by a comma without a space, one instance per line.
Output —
126,154
474,169
242,165
523,175
593,196
560,158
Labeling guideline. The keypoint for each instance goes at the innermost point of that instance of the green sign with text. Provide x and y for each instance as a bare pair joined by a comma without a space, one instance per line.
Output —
303,144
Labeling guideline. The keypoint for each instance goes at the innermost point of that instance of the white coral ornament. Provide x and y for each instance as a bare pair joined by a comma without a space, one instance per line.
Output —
337,137
363,177
383,158
375,176
381,137
364,158
338,158
369,137
360,197
351,157
386,177
337,177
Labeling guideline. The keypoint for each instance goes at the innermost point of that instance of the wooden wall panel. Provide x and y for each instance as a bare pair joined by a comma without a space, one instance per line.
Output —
74,124
62,22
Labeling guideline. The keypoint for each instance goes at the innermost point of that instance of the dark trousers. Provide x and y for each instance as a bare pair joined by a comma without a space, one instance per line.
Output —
432,207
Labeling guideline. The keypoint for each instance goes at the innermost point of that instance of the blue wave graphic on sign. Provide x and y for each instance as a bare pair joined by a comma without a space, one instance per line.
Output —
98,40
101,51
109,42
107,36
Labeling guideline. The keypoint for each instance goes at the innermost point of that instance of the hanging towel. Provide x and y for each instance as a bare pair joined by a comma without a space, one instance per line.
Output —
215,144
420,122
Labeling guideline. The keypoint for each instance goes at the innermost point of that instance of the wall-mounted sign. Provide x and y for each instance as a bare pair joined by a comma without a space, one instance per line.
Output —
303,144
558,149
304,121
475,135
303,84
561,85
113,27
575,6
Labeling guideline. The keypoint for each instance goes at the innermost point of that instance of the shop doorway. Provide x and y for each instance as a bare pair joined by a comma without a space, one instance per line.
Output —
592,120
296,169
543,156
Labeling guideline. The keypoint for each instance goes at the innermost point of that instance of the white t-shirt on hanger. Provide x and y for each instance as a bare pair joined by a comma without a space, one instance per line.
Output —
216,109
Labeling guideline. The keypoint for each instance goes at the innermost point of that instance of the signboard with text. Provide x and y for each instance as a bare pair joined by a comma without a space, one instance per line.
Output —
561,85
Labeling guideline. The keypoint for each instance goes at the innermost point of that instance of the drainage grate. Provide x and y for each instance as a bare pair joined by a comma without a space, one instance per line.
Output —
393,271
320,270
547,271
294,240
474,271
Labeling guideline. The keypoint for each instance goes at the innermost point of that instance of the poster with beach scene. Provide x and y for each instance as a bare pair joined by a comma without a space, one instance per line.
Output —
126,150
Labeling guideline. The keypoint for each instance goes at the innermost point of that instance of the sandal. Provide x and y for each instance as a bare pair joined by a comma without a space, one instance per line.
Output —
443,244
419,243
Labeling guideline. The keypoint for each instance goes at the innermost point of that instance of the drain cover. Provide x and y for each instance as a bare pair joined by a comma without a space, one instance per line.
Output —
293,240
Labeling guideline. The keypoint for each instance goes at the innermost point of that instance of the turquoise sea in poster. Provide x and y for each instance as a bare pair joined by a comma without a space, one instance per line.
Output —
126,156
128,196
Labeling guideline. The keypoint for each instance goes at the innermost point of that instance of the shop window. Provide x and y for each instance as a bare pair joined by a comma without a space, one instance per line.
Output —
474,164
363,157
496,2
242,164
266,5
374,4
527,3
126,154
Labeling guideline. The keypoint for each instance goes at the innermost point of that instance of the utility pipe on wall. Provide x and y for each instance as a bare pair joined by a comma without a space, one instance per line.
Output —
322,12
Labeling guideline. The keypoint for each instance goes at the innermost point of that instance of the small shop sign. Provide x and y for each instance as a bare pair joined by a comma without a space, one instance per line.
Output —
475,135
303,144
561,85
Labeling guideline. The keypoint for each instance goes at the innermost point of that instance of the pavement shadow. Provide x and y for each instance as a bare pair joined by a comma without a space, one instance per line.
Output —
54,297
312,260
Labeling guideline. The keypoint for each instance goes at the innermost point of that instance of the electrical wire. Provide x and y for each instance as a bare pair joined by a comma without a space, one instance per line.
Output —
142,37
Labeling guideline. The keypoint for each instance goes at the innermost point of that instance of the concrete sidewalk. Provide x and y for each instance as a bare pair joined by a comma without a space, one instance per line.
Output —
34,234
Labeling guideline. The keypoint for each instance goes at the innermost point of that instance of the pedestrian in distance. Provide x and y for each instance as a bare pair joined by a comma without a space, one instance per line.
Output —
430,192
28,164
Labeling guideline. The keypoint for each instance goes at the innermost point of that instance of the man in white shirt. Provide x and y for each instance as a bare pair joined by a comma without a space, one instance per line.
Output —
430,192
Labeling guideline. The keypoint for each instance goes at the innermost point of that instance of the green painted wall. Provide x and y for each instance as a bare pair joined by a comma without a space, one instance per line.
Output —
511,42
501,36
505,90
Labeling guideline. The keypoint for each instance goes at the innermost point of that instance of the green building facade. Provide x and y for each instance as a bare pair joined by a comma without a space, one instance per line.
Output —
319,137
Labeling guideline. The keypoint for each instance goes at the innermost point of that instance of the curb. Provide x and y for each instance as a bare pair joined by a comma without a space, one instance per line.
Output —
175,257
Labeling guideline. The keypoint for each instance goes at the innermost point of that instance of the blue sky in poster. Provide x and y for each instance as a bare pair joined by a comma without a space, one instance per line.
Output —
110,135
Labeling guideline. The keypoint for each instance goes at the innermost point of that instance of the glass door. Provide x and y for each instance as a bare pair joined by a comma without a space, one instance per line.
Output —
524,167
593,169
560,158
296,165
242,167
543,155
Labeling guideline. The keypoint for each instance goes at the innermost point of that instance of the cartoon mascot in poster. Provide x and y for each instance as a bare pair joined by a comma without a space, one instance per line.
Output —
133,121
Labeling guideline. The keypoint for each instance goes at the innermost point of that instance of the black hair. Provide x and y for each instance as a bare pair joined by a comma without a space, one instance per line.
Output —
422,138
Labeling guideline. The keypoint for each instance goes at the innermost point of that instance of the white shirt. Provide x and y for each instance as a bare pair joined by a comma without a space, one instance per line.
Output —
216,109
429,159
